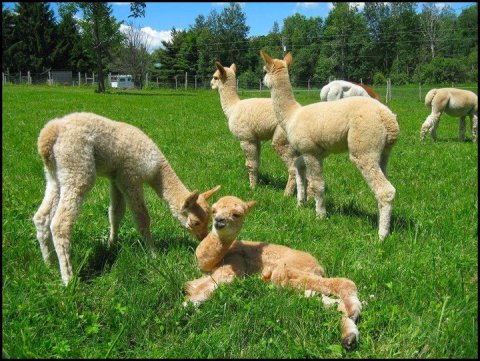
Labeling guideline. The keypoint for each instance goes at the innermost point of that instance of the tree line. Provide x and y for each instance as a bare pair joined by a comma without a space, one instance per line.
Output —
380,41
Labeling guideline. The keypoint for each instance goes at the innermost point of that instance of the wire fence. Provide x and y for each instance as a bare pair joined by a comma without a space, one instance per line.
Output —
386,92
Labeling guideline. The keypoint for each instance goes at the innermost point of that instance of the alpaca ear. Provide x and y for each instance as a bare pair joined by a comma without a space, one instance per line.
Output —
288,59
191,199
250,204
209,193
266,58
234,68
221,69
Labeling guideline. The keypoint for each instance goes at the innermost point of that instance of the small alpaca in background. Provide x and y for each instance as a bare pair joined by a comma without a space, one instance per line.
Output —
362,126
252,121
224,259
454,102
339,89
80,146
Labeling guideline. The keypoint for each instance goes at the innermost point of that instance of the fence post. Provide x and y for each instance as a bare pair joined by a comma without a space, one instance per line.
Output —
93,78
420,91
361,80
308,84
260,84
79,80
195,82
29,79
186,80
146,79
176,83
20,77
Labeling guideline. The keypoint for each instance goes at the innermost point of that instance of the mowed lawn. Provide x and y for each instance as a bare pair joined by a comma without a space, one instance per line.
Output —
418,287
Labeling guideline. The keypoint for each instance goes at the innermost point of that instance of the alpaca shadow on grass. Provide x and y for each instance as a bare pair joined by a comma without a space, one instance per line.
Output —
452,140
397,223
102,257
266,180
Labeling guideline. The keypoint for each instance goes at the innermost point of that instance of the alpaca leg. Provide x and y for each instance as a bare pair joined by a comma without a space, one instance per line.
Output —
461,129
136,202
116,211
474,121
283,149
384,191
71,197
344,288
252,154
43,217
301,180
430,125
201,289
384,160
317,185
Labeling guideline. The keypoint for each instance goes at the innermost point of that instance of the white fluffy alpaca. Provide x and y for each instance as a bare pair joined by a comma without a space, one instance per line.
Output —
364,127
339,89
80,146
455,102
252,121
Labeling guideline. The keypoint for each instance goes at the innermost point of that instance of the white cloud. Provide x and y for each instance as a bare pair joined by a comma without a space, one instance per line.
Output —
330,6
121,4
155,37
359,5
308,5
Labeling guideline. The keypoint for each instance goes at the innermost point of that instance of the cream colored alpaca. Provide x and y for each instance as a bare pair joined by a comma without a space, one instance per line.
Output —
252,121
454,102
80,146
362,126
223,259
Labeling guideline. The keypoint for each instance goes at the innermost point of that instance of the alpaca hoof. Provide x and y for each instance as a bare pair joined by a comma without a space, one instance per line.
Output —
349,342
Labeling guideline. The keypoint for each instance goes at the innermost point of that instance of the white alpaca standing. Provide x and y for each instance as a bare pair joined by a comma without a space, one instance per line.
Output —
339,89
364,127
80,146
252,121
456,103
224,258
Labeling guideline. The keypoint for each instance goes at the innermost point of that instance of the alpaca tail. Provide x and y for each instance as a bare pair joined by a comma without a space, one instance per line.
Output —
389,120
46,140
429,97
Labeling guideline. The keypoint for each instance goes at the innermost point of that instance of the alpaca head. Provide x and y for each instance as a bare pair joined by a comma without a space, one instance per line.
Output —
197,212
228,215
275,67
223,75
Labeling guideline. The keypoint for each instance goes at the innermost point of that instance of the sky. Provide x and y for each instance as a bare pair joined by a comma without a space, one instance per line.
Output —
161,17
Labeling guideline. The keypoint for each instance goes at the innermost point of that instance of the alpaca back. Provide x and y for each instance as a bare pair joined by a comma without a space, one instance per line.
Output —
325,126
339,89
107,145
455,102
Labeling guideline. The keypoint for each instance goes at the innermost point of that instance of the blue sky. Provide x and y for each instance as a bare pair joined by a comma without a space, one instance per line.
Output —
161,17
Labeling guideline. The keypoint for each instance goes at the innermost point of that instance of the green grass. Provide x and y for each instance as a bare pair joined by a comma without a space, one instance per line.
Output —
419,286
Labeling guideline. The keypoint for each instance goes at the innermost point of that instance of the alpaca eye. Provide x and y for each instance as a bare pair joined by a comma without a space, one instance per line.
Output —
215,77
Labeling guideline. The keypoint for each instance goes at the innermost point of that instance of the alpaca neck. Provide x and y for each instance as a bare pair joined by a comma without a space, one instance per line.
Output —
169,187
284,103
228,96
211,251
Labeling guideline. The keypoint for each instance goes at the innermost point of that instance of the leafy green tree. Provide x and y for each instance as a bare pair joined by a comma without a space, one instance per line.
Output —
31,33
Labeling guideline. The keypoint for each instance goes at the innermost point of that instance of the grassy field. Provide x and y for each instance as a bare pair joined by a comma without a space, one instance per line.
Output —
418,287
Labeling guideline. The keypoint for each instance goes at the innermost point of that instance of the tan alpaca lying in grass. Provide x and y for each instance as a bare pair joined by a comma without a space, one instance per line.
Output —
363,126
455,102
80,146
224,258
252,121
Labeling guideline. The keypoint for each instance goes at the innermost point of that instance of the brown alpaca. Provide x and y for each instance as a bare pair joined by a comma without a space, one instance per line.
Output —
80,146
224,258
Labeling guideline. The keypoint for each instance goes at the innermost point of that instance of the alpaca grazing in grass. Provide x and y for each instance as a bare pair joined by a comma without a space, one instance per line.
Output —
252,121
224,258
80,146
456,103
364,127
339,89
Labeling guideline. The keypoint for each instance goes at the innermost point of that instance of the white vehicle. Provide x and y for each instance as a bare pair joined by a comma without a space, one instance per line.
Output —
122,82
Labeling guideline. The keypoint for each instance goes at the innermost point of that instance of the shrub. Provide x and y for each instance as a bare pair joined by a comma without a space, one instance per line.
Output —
379,78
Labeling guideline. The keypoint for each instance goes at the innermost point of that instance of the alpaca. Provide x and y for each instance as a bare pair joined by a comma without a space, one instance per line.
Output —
339,89
369,90
364,127
252,121
454,102
224,258
78,147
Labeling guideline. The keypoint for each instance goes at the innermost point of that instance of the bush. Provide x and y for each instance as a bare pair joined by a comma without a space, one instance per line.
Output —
379,78
442,70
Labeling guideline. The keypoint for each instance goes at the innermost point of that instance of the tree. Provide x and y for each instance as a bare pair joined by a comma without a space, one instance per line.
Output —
30,33
132,56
